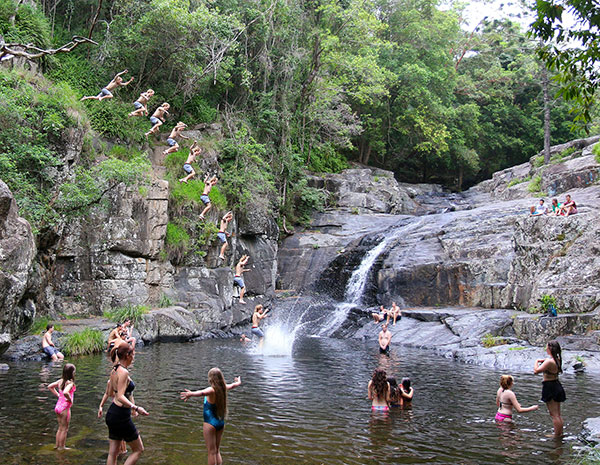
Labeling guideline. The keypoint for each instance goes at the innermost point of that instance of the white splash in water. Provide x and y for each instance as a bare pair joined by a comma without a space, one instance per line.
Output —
278,340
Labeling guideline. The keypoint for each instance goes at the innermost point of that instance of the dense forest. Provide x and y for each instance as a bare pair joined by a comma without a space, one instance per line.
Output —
295,84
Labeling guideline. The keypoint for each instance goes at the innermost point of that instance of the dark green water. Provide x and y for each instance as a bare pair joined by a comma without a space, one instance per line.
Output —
308,408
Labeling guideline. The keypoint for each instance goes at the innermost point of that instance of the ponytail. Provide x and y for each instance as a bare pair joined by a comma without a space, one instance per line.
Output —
556,353
122,351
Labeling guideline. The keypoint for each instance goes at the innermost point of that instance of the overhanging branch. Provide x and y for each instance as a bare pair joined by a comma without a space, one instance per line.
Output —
31,52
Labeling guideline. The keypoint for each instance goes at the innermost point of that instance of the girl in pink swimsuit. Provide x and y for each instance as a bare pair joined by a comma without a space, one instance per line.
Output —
66,388
506,401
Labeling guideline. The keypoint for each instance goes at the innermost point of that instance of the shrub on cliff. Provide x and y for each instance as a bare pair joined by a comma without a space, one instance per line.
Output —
35,119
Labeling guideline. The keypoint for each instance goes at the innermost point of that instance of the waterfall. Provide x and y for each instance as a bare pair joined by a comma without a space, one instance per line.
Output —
355,287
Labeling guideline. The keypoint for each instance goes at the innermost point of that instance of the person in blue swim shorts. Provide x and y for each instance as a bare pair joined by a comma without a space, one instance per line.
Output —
172,139
106,92
188,168
215,409
48,346
223,234
209,183
141,104
158,118
238,280
257,316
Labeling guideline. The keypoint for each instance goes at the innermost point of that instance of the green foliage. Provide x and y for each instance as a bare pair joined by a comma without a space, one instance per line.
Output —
572,48
87,341
30,25
35,117
488,341
588,456
120,314
177,236
535,185
547,301
165,301
596,152
91,186
538,161
40,323
516,181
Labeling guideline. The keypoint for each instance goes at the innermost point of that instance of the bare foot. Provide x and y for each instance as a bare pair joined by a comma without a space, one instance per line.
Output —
183,180
164,152
202,217
242,301
221,257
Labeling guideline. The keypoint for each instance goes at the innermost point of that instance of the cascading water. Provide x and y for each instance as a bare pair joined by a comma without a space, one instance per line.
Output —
320,317
355,287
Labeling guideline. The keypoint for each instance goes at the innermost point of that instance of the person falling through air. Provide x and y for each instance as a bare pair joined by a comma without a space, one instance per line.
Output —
141,104
238,280
106,92
171,140
158,118
258,315
189,169
223,234
208,185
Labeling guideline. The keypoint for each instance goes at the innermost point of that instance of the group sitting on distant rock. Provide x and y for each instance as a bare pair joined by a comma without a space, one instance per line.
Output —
384,314
122,333
568,207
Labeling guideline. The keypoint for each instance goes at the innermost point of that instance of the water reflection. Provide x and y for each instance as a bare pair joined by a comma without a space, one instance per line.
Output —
307,407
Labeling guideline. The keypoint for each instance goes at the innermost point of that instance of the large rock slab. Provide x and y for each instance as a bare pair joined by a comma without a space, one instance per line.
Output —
17,254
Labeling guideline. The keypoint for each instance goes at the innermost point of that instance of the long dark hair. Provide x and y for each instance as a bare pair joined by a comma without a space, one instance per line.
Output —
393,388
406,384
556,353
68,374
379,383
217,382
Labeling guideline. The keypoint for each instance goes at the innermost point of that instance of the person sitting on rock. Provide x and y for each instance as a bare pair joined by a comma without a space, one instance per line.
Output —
114,337
171,140
141,104
238,280
208,185
106,92
555,207
541,209
383,314
395,313
189,169
48,346
223,234
158,118
569,207
128,329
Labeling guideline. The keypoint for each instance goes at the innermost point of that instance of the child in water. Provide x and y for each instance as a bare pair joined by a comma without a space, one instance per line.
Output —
215,408
506,400
66,388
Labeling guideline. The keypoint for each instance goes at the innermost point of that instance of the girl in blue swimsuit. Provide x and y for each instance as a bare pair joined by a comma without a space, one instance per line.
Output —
215,408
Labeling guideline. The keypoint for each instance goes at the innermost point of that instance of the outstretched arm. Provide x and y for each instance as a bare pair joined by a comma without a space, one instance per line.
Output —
127,83
237,381
185,395
121,73
517,406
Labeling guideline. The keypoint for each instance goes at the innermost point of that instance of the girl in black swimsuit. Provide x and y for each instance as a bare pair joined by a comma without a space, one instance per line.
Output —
118,418
552,391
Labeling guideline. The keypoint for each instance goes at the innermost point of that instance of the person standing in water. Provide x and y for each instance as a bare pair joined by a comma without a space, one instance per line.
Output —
552,391
256,317
106,92
506,400
215,409
378,391
48,346
385,337
118,417
66,388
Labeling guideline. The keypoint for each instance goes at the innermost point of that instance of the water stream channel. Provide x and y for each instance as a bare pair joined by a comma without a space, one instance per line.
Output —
306,407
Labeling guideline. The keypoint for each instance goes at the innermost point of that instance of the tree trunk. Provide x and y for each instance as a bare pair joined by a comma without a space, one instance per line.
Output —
545,86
